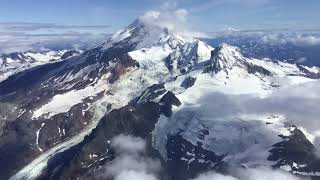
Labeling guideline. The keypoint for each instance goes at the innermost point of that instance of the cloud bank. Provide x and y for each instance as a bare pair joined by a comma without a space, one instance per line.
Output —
28,36
272,37
21,42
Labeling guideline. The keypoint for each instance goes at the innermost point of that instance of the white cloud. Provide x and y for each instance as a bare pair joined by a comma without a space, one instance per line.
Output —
272,37
214,176
298,103
264,174
131,162
28,36
309,40
20,42
298,39
261,173
128,144
134,175
175,20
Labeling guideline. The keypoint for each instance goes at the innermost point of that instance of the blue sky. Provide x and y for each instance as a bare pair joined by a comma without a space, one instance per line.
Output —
205,15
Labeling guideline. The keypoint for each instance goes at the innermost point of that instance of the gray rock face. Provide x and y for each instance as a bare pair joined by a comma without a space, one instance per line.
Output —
295,151
188,82
25,92
220,61
69,54
138,120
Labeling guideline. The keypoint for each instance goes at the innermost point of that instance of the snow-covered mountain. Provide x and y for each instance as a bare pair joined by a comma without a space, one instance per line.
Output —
15,62
191,102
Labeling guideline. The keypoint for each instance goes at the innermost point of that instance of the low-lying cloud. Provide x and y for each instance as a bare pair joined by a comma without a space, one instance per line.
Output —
261,173
131,162
272,37
299,104
214,176
28,36
21,42
298,39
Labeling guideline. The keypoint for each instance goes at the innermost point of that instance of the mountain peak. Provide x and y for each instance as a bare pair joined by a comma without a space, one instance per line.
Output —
225,57
227,52
141,35
147,31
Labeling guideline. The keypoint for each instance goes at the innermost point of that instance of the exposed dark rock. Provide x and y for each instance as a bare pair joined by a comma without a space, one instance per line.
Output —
138,120
20,57
33,88
168,62
167,101
308,73
150,94
185,60
69,54
295,151
274,85
17,146
252,69
188,82
213,64
219,62
24,80
122,64
170,99
186,160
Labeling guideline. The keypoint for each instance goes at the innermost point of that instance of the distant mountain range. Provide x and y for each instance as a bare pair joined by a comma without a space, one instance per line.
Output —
300,47
13,63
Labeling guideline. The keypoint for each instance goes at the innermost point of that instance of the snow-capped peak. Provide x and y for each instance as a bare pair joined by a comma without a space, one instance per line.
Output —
142,34
191,54
225,57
